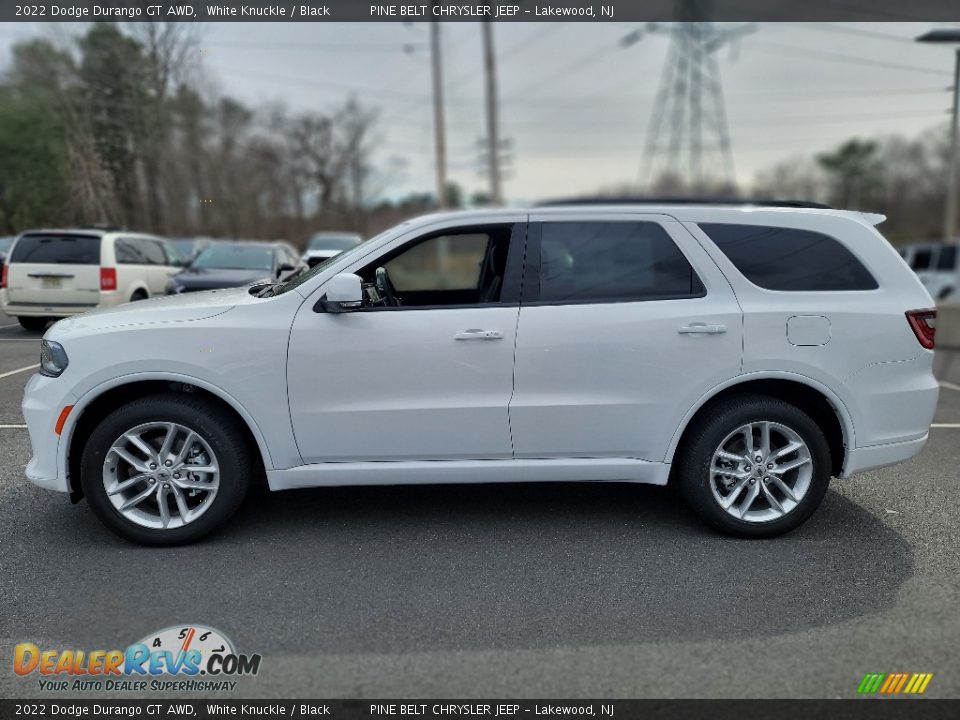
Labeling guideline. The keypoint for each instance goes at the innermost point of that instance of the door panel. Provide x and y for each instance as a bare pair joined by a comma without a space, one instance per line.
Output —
614,379
427,379
398,385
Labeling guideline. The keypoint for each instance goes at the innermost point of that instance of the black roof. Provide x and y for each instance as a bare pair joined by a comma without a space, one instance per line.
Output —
761,202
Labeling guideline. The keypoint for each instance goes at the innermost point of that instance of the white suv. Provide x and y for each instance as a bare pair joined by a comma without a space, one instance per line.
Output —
56,273
747,354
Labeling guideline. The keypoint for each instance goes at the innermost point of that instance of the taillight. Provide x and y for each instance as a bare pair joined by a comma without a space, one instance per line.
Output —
924,324
108,278
3,276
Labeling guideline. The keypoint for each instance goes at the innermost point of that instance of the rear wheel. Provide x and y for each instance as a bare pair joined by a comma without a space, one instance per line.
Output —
138,295
755,466
166,469
33,324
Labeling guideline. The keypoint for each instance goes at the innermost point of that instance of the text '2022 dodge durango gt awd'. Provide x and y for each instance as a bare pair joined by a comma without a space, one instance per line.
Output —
746,353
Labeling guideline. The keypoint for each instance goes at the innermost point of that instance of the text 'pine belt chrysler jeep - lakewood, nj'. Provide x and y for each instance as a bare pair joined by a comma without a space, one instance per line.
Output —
748,353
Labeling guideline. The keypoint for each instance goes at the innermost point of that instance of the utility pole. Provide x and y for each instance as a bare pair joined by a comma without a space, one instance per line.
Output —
493,136
950,37
439,128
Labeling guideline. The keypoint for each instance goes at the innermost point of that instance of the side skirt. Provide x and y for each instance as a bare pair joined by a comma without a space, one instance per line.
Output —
469,471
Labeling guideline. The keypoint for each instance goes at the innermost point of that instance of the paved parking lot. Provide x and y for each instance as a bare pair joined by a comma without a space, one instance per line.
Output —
525,591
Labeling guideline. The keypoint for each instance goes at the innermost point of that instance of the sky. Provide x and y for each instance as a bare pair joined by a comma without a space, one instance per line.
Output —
574,102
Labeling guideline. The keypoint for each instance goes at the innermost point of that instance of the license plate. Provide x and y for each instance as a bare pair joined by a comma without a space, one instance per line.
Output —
50,283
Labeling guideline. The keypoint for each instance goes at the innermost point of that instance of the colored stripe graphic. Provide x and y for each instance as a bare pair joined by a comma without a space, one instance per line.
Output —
870,683
894,683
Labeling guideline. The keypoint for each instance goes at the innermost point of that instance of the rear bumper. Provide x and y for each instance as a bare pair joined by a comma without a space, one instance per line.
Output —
878,456
37,309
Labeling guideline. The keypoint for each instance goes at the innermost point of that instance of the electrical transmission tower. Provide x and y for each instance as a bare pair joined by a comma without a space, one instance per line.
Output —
688,138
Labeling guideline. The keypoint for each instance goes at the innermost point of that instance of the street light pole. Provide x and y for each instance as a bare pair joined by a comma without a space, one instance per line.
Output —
950,214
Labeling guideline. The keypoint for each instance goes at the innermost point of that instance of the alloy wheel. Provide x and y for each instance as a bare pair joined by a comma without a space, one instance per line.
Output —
161,475
761,471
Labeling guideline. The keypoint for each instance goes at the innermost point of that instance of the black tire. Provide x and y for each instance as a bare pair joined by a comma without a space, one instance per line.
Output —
221,431
139,295
33,324
695,454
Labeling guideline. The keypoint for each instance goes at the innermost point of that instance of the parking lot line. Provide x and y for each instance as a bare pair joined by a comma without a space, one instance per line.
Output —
13,427
949,385
19,370
946,425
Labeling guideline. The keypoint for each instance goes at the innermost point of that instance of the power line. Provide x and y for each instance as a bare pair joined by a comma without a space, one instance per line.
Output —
781,49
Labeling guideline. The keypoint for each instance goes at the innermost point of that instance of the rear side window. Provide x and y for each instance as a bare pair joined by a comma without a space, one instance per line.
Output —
612,262
789,259
57,249
948,258
129,252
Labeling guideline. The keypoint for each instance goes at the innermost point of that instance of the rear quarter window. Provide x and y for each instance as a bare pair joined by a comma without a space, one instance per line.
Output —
57,249
789,259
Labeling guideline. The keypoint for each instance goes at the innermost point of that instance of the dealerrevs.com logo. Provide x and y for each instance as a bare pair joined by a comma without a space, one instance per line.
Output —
177,658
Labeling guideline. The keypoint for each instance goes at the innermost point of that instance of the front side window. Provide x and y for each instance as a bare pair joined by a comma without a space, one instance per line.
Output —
153,252
787,259
463,267
612,262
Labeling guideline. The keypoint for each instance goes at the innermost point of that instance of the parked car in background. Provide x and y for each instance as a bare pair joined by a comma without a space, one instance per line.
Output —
325,245
232,264
56,273
5,243
189,248
937,265
746,354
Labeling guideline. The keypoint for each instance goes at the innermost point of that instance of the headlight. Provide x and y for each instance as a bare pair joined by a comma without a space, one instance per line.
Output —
53,358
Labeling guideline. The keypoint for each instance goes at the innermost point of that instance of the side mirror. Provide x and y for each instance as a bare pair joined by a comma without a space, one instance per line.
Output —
344,292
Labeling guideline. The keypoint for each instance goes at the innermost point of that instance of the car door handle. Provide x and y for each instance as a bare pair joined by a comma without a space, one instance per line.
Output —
478,334
702,329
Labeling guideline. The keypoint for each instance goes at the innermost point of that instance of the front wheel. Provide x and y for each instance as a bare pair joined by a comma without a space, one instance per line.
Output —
166,469
754,467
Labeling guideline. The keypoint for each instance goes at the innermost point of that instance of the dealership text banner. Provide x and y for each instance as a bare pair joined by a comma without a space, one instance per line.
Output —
517,11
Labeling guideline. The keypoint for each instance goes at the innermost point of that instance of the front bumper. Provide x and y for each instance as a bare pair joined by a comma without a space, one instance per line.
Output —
43,400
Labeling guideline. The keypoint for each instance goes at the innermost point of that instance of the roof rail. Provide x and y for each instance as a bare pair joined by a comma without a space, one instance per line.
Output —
105,227
625,200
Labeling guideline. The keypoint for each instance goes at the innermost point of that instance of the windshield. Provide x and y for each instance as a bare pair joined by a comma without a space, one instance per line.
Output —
334,242
184,246
235,257
356,251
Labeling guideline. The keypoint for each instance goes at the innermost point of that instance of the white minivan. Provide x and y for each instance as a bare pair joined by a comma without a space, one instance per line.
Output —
53,274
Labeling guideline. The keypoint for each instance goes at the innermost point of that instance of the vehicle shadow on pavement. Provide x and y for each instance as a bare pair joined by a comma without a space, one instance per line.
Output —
402,569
